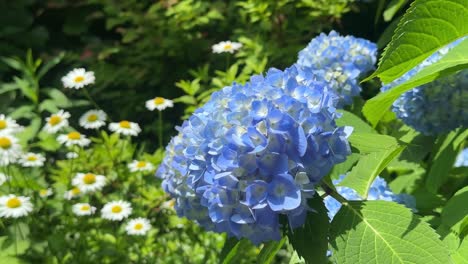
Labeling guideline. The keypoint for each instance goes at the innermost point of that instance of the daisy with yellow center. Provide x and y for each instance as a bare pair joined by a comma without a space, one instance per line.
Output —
32,160
116,210
142,166
10,150
12,206
73,193
83,209
78,78
93,119
226,46
56,122
138,226
74,138
159,103
125,128
9,126
89,182
44,193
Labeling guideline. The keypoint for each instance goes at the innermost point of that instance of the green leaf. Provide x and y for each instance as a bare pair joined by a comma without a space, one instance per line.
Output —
60,99
447,150
427,26
454,60
455,210
186,99
49,65
375,232
393,7
460,256
233,249
344,167
367,142
350,119
311,240
269,250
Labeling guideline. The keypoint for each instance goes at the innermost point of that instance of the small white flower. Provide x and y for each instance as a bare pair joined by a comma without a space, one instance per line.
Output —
32,160
78,78
136,165
93,119
226,46
82,209
56,122
74,138
72,155
45,192
10,150
139,226
159,103
89,182
73,193
169,205
3,178
125,128
9,126
116,210
14,206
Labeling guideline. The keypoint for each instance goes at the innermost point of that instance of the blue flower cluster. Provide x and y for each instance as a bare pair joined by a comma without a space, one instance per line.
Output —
462,159
436,107
254,152
378,191
339,61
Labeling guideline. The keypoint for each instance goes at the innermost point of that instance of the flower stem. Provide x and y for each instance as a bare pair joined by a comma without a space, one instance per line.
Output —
332,192
160,126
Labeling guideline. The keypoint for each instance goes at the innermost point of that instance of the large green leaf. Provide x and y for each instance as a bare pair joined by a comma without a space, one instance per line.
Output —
350,119
427,26
454,60
311,240
393,7
455,210
375,232
447,149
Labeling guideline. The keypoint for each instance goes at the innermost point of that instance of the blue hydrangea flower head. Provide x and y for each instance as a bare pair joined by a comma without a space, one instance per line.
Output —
254,152
339,61
462,159
378,191
436,107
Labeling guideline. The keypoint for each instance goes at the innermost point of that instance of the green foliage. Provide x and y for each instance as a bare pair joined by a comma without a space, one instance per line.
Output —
383,232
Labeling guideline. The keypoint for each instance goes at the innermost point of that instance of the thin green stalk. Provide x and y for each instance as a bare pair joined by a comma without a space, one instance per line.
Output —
331,191
16,238
91,99
160,121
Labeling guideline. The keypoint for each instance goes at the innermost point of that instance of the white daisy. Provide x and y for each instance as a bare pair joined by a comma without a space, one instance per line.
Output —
169,205
9,126
44,193
74,138
226,46
93,119
89,182
72,155
116,210
73,193
32,160
139,226
82,209
14,206
136,165
125,128
78,78
3,178
10,150
159,103
56,122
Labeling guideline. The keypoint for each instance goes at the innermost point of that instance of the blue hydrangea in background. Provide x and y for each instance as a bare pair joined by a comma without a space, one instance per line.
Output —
254,152
436,107
378,191
339,61
462,159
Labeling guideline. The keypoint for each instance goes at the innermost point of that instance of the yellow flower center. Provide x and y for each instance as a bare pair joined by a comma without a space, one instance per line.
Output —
141,164
92,118
55,120
89,178
227,47
138,226
75,191
159,101
31,158
5,143
116,209
85,207
124,124
3,124
79,79
43,192
13,203
74,135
